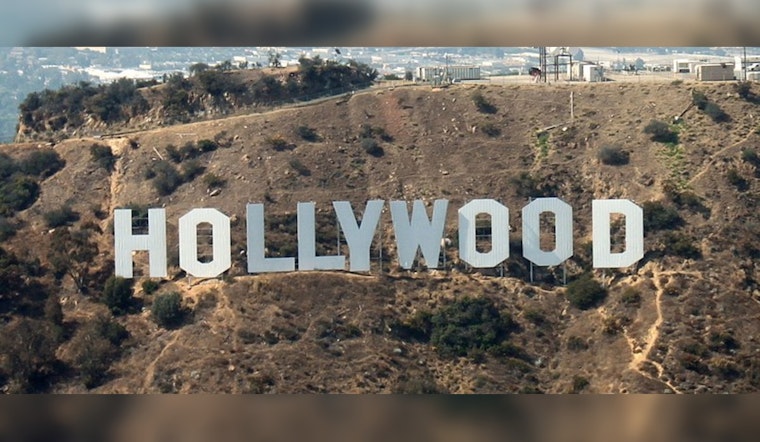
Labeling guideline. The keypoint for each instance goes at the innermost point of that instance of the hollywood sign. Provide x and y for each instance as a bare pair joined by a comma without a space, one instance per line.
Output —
414,233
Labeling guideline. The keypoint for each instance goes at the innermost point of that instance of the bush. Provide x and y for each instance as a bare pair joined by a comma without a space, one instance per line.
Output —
94,347
307,133
60,217
631,298
736,180
482,104
7,228
660,132
469,325
213,181
658,216
103,156
166,178
191,169
167,309
575,343
750,156
699,99
579,384
490,129
189,151
744,89
299,167
613,156
149,286
372,147
173,153
42,163
117,294
207,145
679,244
585,292
278,143
28,347
17,194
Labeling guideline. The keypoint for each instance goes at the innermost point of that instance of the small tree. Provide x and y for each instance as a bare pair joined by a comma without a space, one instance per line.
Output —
60,217
102,155
660,132
167,309
613,156
372,147
117,294
585,292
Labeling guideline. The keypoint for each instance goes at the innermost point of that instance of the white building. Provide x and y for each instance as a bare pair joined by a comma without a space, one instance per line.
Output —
585,71
683,66
715,71
441,73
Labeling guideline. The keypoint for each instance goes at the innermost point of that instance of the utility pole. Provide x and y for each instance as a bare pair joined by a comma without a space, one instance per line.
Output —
744,64
572,113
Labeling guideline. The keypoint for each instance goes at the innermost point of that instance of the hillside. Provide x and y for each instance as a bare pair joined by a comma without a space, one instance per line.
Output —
685,319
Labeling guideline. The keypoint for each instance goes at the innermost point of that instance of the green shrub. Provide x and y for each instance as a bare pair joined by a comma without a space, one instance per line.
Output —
736,180
372,147
102,155
482,104
149,286
631,298
117,294
167,309
207,145
7,166
213,181
699,99
658,216
680,244
368,131
585,292
613,156
575,343
417,385
490,129
660,132
525,185
17,193
579,384
417,327
42,163
468,325
299,167
60,217
7,228
189,151
94,347
29,358
750,156
166,178
191,169
278,143
173,153
744,89
307,133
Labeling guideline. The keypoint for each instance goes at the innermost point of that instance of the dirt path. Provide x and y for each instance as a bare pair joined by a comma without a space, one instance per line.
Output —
150,372
640,351
715,157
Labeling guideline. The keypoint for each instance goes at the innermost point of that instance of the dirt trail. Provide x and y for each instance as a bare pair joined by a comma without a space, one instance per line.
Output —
715,157
640,350
150,372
